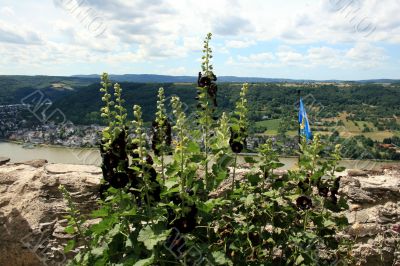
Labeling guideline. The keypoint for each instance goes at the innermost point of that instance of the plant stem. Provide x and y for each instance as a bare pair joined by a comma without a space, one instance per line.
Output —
162,167
234,173
206,152
183,181
305,220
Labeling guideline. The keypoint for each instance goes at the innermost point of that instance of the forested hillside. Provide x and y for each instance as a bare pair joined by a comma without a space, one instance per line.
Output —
79,99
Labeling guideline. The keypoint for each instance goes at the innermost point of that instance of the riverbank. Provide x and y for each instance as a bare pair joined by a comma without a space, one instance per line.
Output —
46,145
91,156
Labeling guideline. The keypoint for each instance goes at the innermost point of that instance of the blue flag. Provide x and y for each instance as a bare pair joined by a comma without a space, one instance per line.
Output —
303,121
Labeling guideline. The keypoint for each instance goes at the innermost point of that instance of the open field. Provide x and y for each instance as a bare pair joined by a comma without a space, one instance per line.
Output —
349,129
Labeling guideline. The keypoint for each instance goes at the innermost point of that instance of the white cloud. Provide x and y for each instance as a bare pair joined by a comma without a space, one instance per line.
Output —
7,11
261,57
239,43
362,55
154,31
18,35
365,55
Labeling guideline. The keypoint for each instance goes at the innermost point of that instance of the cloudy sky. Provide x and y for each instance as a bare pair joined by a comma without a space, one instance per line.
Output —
308,39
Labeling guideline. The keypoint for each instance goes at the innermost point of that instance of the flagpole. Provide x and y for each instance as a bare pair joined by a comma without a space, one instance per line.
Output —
298,129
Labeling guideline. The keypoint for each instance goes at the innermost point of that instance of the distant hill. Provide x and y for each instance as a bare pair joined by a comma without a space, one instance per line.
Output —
13,88
153,78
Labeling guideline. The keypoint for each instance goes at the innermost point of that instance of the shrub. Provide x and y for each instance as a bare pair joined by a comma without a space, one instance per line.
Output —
186,204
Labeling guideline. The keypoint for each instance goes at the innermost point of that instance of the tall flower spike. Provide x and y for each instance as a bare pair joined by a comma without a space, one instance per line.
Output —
240,125
180,129
161,128
121,114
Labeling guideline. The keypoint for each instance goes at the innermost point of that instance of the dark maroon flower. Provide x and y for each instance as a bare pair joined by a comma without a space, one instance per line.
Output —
336,185
119,180
187,222
149,160
236,147
103,189
107,172
237,141
333,198
119,143
151,172
304,202
323,191
304,185
203,81
212,92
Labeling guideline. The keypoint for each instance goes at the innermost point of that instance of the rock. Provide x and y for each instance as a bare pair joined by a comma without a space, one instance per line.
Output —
359,195
4,160
374,210
362,230
58,168
32,209
36,163
356,172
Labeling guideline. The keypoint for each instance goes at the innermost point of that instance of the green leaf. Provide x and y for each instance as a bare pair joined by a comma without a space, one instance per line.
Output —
249,200
206,206
276,165
299,260
171,182
340,169
221,259
99,213
70,229
249,159
329,224
150,239
103,226
145,262
131,212
70,246
98,251
114,231
254,179
193,147
106,135
128,243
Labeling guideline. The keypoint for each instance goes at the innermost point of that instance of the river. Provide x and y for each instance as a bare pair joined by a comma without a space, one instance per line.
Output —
17,153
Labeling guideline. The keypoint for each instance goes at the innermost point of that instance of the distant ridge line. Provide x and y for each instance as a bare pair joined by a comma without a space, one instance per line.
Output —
155,78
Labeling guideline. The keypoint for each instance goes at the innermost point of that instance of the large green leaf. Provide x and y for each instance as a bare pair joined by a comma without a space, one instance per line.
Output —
221,259
70,246
149,238
145,262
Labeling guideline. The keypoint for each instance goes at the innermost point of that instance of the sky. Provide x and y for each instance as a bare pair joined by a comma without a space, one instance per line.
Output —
307,39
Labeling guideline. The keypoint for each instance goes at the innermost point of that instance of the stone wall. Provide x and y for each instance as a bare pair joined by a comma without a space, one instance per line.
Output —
32,210
374,215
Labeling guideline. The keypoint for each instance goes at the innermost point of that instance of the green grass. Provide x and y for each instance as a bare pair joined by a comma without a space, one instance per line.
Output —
352,130
350,126
271,125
